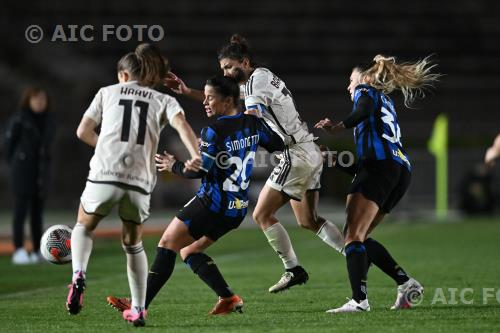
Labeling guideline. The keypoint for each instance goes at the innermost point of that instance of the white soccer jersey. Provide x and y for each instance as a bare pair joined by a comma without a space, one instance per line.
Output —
263,87
131,118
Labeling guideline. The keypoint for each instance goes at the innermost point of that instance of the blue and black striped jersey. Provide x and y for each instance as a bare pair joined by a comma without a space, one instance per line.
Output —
378,136
228,149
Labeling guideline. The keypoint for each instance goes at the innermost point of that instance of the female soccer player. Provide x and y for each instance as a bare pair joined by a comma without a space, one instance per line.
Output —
383,170
227,150
122,170
297,177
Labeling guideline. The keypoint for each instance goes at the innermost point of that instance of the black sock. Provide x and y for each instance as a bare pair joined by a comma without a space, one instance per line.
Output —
207,270
357,266
160,272
380,257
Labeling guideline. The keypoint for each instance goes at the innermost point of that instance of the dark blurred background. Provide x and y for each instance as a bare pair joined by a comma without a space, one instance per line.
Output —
312,45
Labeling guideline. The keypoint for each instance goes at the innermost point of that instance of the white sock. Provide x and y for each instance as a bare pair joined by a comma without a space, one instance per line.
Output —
137,271
81,247
280,241
331,235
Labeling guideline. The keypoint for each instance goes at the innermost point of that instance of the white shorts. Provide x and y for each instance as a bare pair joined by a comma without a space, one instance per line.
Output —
299,170
99,199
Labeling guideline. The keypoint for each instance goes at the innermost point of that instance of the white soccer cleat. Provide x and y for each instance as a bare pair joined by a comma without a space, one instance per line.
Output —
352,306
21,257
409,294
290,279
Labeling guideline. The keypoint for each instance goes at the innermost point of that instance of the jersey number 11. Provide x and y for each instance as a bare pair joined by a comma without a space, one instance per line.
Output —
127,118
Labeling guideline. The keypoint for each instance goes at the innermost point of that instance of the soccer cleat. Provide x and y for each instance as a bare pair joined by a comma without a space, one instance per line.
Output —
352,306
74,302
289,279
226,305
21,257
138,319
409,294
119,303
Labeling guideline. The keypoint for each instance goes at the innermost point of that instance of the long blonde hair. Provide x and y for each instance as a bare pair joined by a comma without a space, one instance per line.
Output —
412,78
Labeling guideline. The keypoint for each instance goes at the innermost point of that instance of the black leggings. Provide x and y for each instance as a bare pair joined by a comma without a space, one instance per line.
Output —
34,204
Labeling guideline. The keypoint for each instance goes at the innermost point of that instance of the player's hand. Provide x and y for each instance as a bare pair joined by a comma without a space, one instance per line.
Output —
165,161
193,164
254,112
175,83
328,125
325,124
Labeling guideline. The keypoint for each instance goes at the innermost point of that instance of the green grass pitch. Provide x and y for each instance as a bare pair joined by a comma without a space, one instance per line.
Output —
442,256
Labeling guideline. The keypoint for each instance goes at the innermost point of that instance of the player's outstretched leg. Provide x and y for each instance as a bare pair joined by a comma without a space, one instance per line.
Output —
409,289
204,266
305,212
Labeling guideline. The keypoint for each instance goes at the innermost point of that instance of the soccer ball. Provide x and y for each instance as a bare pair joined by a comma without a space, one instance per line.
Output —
55,245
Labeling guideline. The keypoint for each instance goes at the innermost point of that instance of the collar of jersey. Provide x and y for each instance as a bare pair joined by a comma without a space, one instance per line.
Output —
363,85
229,117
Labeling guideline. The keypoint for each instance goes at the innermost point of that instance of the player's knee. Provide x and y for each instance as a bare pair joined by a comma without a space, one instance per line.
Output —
263,219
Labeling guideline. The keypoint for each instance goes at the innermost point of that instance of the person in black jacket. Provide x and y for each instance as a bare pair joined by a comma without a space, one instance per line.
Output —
29,134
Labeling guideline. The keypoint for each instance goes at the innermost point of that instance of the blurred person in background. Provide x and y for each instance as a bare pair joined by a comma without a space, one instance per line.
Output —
493,152
29,135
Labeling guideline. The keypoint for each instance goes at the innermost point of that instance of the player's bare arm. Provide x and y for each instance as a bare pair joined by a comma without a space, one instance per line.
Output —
86,131
186,134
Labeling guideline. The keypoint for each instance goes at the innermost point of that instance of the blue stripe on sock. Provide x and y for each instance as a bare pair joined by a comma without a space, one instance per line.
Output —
354,247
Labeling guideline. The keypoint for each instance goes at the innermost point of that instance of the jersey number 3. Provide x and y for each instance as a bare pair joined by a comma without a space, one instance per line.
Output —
388,119
127,118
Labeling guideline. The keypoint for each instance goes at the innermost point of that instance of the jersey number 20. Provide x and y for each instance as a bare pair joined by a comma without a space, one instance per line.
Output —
127,118
230,184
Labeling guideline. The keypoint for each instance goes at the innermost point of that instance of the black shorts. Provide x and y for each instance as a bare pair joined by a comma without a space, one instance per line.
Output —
383,182
203,222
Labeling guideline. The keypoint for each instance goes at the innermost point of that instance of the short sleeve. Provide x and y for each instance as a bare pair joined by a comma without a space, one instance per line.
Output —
208,148
257,90
94,111
172,108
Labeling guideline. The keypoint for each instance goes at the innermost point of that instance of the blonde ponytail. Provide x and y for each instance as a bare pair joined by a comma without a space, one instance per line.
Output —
411,78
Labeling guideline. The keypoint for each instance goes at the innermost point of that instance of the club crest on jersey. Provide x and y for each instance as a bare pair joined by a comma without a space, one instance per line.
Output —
237,204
